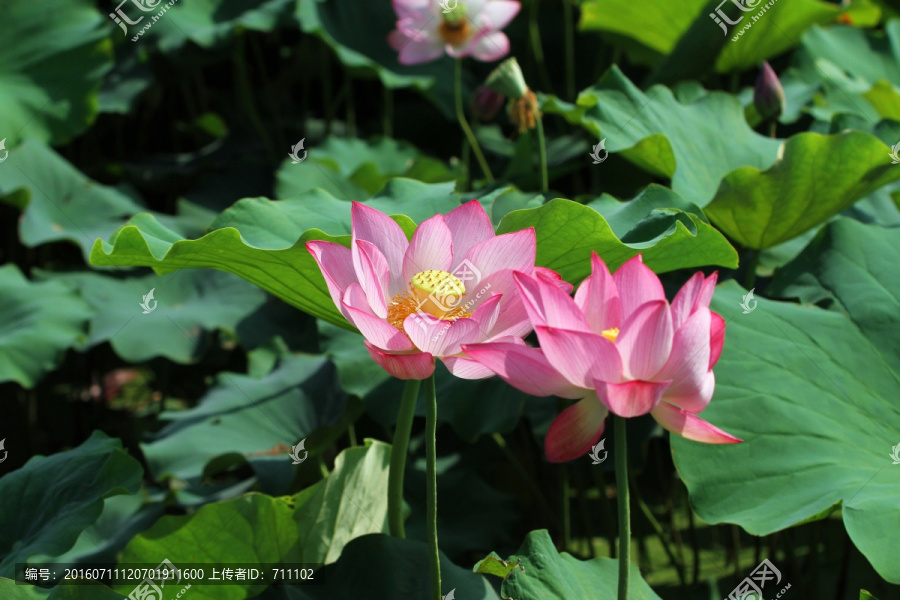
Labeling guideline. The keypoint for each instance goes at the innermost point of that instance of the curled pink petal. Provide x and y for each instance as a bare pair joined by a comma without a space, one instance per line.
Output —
440,337
548,305
514,251
466,368
691,427
430,248
696,292
575,430
416,365
551,276
632,398
374,276
376,227
490,47
716,338
695,398
374,329
469,224
598,298
645,341
336,266
688,361
580,356
636,285
524,368
498,13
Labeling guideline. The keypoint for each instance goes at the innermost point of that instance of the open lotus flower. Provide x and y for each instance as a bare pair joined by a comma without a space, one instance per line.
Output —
452,284
617,346
428,28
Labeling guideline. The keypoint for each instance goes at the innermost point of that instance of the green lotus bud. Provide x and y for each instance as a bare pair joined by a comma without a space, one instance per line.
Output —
507,79
768,95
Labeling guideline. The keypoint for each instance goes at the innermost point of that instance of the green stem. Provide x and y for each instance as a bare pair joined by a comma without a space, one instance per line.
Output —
431,477
542,148
624,555
388,118
399,451
461,117
566,509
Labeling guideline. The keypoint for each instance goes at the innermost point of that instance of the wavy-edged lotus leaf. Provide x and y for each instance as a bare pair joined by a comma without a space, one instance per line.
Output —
815,177
825,385
258,418
537,570
668,238
170,315
312,526
52,63
355,169
694,144
45,505
40,321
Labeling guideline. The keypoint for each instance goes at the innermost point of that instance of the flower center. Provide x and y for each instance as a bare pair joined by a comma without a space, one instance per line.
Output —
437,293
611,334
454,28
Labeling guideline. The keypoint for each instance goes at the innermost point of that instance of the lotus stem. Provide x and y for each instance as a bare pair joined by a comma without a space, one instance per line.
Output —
624,554
431,477
399,451
464,124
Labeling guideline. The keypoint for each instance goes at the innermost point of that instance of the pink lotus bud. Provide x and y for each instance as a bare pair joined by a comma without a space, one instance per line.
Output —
486,102
768,95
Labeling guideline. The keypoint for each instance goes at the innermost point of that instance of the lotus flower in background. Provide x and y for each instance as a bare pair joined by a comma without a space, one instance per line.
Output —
452,284
426,29
617,346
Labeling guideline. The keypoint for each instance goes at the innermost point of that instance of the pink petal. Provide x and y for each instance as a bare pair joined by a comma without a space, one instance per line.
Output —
637,285
415,52
410,8
418,365
551,276
430,248
485,316
632,398
376,227
575,430
548,305
524,368
695,399
466,368
580,356
490,47
598,298
376,330
514,251
645,341
374,276
469,224
716,338
336,265
691,427
696,292
440,337
688,361
498,13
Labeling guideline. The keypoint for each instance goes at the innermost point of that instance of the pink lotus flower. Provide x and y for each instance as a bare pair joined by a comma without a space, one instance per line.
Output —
425,29
617,346
452,284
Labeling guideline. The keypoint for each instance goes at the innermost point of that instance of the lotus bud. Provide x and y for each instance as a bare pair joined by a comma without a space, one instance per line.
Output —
507,79
768,95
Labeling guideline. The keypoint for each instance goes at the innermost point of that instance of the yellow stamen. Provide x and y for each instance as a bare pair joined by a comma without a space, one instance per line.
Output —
610,334
437,293
455,33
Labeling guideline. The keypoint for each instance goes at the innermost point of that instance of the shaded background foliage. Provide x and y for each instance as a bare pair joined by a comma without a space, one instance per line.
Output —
152,434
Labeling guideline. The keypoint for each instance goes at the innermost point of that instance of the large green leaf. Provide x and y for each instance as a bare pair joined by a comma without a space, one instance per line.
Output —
352,168
380,567
349,26
311,527
694,144
815,177
52,62
539,571
813,394
668,238
186,309
259,419
40,321
46,504
264,241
